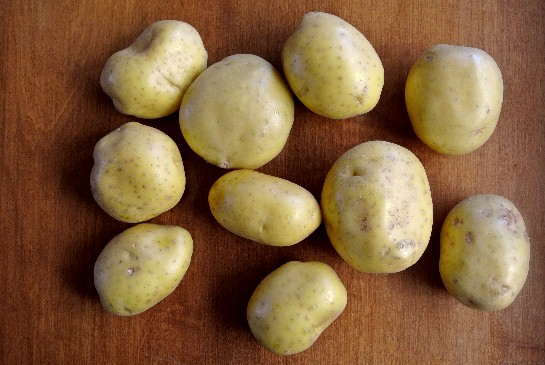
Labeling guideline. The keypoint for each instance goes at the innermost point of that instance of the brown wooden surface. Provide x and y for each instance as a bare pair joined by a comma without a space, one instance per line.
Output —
53,111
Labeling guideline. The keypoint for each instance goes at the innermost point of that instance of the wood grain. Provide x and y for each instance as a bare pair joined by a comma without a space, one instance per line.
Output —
53,112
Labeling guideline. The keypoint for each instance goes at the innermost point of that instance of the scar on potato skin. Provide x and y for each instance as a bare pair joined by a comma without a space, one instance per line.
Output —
469,237
457,222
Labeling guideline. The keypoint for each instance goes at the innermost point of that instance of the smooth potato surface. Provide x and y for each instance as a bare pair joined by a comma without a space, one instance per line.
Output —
294,304
141,266
138,173
149,78
238,113
485,252
264,208
454,96
377,207
331,67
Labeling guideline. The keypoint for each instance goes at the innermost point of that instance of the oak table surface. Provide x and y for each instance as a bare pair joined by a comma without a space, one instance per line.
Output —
54,111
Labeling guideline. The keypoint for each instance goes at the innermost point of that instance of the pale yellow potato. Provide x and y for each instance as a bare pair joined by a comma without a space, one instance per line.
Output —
332,68
377,207
294,304
138,173
149,78
454,96
485,252
141,266
238,113
264,208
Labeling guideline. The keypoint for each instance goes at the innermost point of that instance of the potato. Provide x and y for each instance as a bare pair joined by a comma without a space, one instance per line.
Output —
138,173
332,68
238,113
377,207
149,78
454,96
294,304
264,208
485,252
141,266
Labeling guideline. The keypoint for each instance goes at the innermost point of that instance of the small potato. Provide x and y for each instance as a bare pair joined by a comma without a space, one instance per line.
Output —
294,304
238,113
485,252
377,207
264,208
141,266
454,96
138,173
149,78
332,68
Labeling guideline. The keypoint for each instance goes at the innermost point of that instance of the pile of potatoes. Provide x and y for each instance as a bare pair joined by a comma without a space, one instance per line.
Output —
376,201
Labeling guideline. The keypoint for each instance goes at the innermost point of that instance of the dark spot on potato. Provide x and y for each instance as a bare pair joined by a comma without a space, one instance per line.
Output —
469,237
458,222
364,224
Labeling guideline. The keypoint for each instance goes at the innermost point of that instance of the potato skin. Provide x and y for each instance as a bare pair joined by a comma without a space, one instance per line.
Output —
138,173
264,208
377,207
454,96
294,304
331,67
485,252
238,113
149,78
141,266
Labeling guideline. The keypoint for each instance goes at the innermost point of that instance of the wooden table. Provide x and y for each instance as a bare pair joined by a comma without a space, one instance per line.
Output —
54,111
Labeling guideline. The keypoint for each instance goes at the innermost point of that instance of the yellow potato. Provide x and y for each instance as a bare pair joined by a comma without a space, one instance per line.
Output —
485,252
332,68
149,78
138,173
454,96
238,113
294,304
141,266
264,208
377,207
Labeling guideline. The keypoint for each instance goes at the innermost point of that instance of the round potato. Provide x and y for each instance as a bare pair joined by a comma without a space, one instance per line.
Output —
454,96
294,304
141,266
149,78
138,173
264,208
377,207
485,252
332,68
238,113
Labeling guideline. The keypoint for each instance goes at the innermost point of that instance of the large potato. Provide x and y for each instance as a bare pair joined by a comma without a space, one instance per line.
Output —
149,78
332,68
454,96
377,207
138,173
238,113
141,266
294,304
485,252
264,208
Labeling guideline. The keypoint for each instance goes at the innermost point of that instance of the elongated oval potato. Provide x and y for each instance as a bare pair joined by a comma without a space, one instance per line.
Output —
149,78
264,208
138,173
332,68
294,304
485,252
141,266
377,207
454,96
238,113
